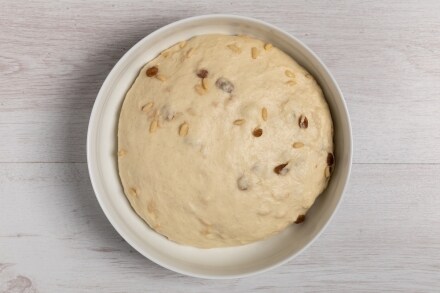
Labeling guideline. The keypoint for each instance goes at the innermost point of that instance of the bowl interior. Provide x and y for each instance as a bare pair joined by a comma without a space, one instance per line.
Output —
221,262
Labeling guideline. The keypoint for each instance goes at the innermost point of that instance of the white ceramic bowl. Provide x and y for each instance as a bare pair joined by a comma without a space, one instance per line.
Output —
220,262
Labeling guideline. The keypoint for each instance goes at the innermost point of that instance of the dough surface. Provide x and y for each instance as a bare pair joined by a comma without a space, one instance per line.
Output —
203,160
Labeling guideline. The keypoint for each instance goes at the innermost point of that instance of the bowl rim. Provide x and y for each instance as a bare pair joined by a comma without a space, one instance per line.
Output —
93,122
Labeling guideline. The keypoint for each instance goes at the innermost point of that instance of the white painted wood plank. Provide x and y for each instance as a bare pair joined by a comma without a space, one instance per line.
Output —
55,56
384,238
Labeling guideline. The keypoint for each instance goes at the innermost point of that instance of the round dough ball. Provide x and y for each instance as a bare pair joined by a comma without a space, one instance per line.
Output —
223,141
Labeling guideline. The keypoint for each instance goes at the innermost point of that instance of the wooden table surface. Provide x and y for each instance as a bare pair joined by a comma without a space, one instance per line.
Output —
54,56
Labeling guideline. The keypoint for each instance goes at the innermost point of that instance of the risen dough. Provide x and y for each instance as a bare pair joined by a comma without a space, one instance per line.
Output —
203,160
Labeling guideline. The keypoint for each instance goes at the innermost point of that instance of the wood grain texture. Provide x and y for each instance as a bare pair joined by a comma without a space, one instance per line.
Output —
54,56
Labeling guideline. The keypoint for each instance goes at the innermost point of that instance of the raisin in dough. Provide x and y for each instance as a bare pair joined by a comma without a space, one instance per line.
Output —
223,141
